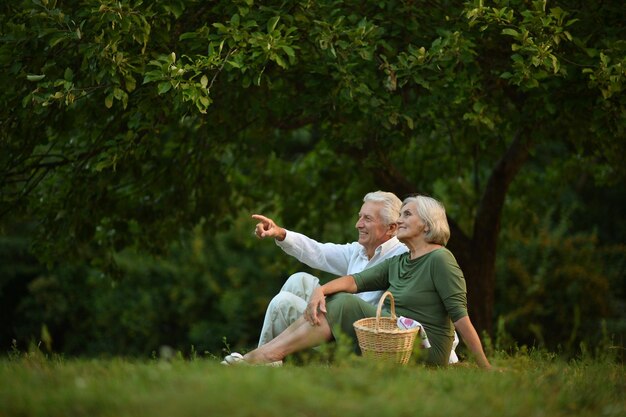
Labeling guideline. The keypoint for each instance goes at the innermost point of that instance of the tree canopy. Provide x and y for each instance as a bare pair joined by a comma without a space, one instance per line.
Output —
124,122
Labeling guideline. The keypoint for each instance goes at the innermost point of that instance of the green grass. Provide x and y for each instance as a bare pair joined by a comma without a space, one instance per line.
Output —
527,385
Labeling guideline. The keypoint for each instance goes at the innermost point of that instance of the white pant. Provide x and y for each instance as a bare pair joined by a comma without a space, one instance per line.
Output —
289,304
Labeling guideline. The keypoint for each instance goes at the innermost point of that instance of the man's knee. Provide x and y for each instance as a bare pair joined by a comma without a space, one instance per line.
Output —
301,284
285,304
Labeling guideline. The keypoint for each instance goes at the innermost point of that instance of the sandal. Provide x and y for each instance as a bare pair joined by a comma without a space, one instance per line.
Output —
237,359
234,359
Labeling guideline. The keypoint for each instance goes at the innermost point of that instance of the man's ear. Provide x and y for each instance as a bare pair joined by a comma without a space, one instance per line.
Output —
393,228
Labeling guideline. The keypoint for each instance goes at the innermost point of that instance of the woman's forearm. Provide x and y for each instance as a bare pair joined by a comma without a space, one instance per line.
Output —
471,339
341,284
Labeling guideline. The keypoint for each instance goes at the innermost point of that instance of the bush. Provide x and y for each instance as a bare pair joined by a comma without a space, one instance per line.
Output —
206,290
555,289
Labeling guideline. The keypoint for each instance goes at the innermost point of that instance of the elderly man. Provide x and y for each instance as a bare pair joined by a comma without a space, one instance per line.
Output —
376,226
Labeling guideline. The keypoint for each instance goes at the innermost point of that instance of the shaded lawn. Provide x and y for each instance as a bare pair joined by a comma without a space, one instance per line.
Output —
526,386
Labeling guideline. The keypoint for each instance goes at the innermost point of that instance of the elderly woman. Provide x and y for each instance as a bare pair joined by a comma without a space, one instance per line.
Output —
427,285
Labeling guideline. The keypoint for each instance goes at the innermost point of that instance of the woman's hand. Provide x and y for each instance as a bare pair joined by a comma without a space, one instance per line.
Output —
316,305
468,333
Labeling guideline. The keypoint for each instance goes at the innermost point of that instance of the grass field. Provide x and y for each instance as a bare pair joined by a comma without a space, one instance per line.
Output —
526,385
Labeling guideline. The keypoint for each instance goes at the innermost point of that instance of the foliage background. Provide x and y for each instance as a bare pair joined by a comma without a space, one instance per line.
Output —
137,139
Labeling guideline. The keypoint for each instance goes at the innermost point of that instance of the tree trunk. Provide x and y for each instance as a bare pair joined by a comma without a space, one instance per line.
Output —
477,255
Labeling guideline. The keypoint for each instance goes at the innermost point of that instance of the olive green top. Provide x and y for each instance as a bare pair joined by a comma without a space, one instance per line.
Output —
430,289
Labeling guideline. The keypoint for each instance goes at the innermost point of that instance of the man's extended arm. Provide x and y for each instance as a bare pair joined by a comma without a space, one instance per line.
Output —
328,257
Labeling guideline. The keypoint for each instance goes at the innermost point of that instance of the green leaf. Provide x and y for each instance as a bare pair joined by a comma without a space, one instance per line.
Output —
175,9
271,24
56,39
243,11
35,77
409,122
288,50
26,100
511,32
152,76
188,35
130,84
102,165
279,60
571,22
164,87
124,100
118,93
205,101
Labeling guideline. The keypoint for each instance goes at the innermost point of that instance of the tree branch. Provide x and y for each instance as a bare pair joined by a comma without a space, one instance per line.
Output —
488,215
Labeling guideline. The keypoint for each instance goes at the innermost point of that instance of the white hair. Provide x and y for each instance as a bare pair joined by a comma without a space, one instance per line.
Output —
391,205
433,214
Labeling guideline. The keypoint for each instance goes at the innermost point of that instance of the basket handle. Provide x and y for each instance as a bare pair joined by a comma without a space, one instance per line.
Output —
380,307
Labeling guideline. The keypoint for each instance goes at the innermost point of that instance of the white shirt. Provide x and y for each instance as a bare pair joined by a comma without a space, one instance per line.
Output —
345,259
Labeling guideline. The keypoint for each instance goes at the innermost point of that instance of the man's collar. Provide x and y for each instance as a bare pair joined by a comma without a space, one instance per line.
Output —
382,248
387,246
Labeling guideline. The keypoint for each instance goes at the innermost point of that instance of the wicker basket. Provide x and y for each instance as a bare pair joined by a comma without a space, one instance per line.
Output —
380,337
